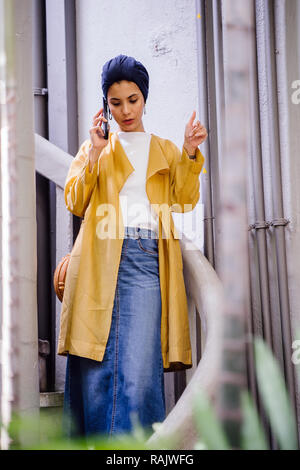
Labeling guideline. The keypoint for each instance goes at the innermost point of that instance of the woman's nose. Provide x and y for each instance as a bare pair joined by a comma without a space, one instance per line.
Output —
125,109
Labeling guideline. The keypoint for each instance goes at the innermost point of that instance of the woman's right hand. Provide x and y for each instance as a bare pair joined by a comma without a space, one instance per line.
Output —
97,136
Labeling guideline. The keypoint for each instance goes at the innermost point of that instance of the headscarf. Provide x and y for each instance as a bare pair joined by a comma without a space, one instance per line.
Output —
123,67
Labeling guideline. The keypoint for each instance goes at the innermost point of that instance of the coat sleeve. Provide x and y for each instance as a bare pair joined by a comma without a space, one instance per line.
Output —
184,179
80,182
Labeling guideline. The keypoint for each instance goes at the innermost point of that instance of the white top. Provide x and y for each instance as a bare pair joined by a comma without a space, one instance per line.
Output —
135,205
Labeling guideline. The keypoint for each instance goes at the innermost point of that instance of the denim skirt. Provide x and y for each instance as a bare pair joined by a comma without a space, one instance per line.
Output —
127,387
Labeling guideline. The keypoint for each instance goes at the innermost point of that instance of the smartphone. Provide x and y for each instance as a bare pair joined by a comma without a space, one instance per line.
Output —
105,114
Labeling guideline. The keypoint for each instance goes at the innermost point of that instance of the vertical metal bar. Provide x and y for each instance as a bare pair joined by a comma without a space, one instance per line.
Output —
215,90
46,310
260,290
238,31
258,195
63,125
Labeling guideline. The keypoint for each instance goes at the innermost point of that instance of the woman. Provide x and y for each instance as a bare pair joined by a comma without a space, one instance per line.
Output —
124,318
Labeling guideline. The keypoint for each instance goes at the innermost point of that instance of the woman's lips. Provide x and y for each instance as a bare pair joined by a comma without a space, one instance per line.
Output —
128,121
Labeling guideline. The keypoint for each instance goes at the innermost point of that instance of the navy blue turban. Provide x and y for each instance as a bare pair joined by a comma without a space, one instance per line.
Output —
127,68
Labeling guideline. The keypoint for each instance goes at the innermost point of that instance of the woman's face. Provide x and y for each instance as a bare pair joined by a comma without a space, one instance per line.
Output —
126,103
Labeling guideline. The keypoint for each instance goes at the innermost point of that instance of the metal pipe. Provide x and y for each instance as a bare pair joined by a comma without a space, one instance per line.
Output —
258,195
44,272
261,306
285,68
217,96
63,129
206,187
210,63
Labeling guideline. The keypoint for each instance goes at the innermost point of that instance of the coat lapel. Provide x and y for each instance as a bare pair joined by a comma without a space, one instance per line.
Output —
155,186
122,166
157,162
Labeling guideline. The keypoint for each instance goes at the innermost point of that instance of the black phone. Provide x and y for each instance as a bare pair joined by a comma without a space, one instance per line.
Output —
105,114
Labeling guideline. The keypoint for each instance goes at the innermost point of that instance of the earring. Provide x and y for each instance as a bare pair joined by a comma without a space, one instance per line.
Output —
144,109
109,115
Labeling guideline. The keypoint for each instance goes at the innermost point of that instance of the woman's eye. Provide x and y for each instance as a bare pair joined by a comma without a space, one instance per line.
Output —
118,104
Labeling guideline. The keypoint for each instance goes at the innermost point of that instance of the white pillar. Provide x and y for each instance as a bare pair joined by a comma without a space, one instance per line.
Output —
19,306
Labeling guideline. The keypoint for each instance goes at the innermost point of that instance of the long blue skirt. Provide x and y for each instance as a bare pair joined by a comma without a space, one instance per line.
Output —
127,387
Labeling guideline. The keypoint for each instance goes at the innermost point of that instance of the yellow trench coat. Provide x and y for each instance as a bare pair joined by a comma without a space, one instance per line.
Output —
172,181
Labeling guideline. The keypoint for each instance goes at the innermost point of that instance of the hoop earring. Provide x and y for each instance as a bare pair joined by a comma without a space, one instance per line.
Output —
144,109
109,115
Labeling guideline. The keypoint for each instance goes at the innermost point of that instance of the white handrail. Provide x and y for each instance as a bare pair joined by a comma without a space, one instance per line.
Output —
51,161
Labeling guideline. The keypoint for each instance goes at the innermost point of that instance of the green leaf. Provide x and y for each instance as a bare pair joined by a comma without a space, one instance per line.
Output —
252,432
275,396
211,433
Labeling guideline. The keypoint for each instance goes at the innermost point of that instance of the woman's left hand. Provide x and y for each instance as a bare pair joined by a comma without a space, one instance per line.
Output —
194,134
